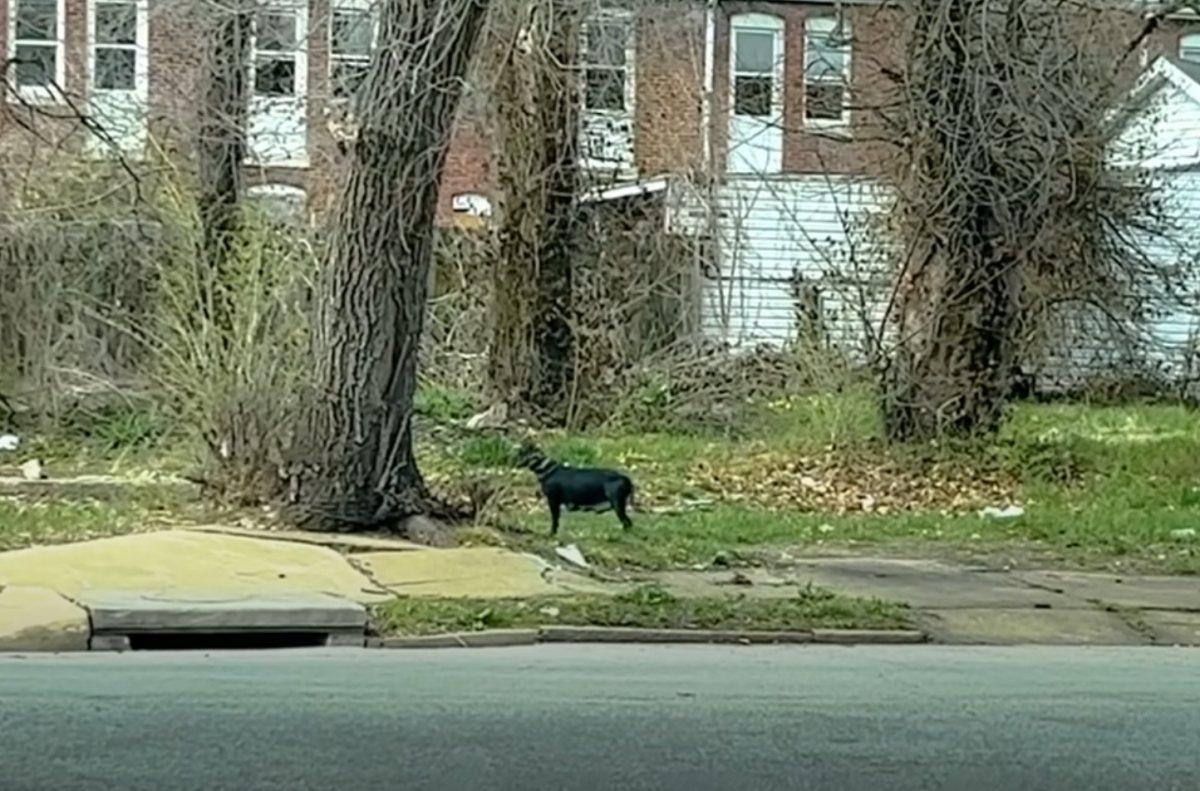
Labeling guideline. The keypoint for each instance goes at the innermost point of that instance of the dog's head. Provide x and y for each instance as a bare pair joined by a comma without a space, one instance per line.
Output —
528,455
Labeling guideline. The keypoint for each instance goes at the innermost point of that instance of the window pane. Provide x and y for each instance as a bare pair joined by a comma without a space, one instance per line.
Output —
824,101
347,76
752,95
35,65
116,23
826,50
115,69
606,43
1189,48
351,33
36,20
605,89
754,51
276,31
274,76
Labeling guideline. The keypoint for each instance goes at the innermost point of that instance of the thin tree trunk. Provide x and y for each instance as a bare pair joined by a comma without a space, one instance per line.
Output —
221,148
356,443
531,355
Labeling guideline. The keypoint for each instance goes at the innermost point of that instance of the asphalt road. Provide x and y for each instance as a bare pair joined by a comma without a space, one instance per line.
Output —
591,717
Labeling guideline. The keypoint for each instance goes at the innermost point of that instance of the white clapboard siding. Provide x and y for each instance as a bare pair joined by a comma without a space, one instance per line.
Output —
774,232
1161,131
1084,344
771,230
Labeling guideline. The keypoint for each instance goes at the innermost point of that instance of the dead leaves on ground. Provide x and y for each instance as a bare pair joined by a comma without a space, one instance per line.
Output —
837,483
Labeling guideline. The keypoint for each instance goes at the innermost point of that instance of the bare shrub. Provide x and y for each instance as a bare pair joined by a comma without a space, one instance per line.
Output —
235,382
67,291
1005,204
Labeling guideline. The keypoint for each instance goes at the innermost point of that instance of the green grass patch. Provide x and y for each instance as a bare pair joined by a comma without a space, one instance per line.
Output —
647,607
27,521
488,450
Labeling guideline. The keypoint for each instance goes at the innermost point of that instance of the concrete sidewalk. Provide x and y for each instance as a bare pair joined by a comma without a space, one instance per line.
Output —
966,604
48,595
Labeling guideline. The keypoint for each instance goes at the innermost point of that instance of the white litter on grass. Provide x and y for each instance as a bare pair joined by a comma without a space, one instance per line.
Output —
1183,533
572,555
9,441
1011,512
32,470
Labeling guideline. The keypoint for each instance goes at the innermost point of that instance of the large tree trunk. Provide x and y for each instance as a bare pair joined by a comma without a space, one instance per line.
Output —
959,309
530,362
221,148
356,443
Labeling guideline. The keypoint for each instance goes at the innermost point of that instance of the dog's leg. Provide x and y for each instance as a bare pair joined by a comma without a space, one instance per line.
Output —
555,511
618,498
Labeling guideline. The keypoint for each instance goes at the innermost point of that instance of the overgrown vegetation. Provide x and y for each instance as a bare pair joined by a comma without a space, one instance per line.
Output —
645,606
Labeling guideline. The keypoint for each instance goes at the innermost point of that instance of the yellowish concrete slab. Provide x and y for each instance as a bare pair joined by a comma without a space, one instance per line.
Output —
1029,627
37,619
184,562
471,572
342,541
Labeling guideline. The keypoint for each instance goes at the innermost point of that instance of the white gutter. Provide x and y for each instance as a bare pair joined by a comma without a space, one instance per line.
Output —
706,104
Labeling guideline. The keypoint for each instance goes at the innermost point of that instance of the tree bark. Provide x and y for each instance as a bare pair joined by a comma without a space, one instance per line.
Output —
531,356
221,148
355,449
960,309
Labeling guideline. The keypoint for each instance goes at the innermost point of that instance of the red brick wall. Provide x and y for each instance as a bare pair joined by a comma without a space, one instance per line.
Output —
804,151
670,88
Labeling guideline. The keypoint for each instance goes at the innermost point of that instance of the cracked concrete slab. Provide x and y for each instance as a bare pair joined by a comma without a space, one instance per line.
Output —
471,572
37,619
178,561
755,583
928,584
1136,591
1173,628
983,626
349,542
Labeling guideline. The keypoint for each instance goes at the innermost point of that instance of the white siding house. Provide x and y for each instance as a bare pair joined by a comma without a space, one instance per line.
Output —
792,249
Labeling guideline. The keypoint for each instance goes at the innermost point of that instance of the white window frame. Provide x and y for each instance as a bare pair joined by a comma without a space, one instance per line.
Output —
827,25
758,23
368,7
37,94
1190,42
299,54
602,17
140,47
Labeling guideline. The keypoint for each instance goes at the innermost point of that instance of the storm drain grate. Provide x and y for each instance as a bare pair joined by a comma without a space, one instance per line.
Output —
140,622
224,641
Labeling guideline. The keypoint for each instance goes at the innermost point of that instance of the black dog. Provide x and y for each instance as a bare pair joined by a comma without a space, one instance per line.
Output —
578,488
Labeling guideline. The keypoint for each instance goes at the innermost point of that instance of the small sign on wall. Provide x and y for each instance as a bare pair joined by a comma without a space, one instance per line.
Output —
471,204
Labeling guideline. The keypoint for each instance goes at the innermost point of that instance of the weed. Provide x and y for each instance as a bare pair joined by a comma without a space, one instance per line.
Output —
487,450
648,607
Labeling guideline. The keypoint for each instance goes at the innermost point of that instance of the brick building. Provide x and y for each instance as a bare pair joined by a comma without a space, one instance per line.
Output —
769,103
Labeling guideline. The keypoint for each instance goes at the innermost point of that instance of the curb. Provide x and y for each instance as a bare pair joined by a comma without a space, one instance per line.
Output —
493,638
869,636
497,638
604,634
